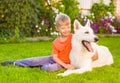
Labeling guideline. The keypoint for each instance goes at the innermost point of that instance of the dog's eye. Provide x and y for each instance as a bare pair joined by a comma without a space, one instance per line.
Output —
86,32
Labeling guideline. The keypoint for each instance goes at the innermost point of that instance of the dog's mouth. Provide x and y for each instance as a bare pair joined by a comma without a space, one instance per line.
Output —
87,45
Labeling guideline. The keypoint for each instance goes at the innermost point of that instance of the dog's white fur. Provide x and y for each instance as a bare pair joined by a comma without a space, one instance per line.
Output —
80,57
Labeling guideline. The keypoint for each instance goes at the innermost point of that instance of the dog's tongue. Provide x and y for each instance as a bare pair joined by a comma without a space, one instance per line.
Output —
89,46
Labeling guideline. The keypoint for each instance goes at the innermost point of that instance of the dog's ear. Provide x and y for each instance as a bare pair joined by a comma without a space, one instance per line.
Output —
77,25
88,23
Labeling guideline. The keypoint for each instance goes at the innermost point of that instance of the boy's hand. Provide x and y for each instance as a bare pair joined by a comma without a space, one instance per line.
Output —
69,66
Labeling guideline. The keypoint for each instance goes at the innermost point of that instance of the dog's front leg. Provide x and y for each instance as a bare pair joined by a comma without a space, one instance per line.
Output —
66,73
76,71
82,70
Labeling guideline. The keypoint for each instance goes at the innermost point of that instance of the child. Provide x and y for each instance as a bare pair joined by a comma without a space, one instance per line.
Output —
60,52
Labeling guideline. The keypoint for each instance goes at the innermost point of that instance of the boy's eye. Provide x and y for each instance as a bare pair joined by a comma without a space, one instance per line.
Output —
62,28
65,27
68,27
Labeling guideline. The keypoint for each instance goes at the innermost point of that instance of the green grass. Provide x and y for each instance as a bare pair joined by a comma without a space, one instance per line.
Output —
15,74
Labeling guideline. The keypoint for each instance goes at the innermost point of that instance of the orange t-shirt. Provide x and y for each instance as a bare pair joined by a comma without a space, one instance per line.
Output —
62,49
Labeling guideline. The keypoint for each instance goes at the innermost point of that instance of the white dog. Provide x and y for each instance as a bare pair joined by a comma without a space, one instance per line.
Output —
84,48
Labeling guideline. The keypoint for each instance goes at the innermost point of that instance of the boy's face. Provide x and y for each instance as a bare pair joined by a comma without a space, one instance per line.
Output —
64,29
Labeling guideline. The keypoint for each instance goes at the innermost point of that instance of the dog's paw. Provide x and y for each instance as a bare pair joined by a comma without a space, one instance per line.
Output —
66,73
62,74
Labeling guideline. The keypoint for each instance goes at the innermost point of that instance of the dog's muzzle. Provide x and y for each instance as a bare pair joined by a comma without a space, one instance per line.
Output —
87,45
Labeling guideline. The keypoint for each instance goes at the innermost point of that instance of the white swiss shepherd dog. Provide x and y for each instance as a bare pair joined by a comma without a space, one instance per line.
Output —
84,48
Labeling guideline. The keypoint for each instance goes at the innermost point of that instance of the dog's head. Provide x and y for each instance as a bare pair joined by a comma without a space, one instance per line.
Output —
85,34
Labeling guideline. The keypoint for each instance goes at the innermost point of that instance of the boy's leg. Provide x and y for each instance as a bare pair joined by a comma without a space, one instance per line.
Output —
33,62
51,67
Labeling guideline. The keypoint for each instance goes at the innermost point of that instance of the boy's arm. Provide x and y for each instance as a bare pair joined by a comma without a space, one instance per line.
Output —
57,60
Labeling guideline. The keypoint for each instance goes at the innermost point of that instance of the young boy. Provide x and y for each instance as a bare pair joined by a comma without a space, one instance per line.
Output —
60,52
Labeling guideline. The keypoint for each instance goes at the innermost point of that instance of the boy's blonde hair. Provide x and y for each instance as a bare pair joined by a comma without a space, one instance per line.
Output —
62,18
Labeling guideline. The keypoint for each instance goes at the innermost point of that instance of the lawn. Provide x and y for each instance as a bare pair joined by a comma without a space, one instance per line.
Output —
15,74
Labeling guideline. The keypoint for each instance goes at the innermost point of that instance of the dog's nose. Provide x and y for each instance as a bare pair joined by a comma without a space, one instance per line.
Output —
96,39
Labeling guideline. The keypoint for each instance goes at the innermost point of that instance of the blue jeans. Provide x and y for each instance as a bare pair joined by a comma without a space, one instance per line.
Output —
45,62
